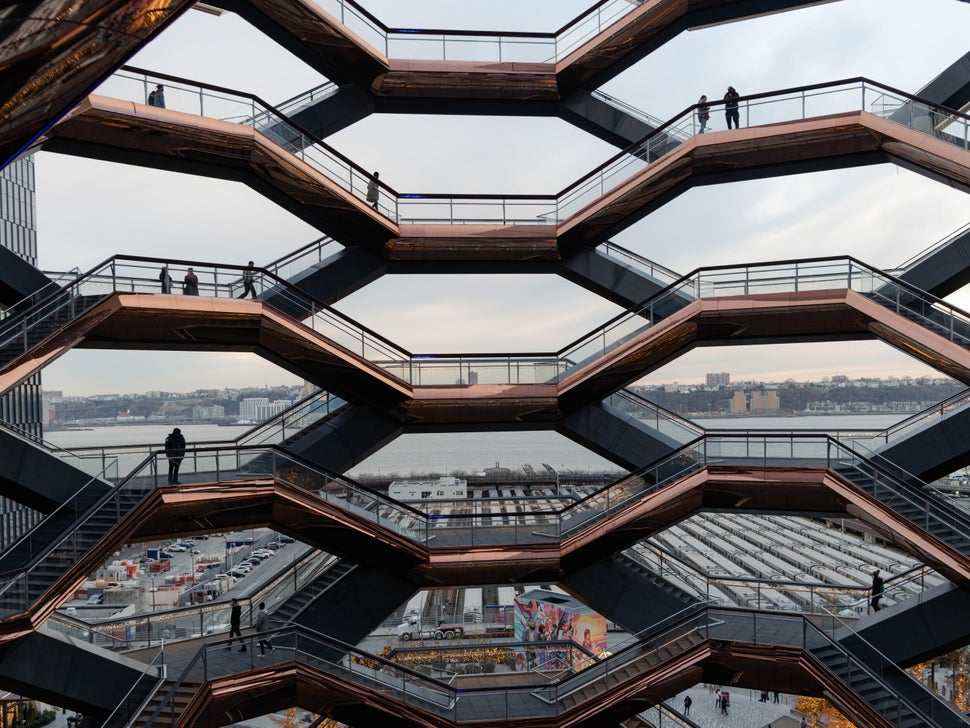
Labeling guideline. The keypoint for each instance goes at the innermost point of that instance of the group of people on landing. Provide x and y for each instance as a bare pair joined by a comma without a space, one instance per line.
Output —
731,113
190,284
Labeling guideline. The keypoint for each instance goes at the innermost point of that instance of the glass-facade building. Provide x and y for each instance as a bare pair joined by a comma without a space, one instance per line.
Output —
21,409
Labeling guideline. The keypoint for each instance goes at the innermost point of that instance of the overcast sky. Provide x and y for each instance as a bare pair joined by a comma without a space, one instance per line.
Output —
89,210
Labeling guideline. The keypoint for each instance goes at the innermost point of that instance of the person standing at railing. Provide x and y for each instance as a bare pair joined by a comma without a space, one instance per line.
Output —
190,284
703,113
157,97
373,194
174,451
166,279
878,587
731,107
248,276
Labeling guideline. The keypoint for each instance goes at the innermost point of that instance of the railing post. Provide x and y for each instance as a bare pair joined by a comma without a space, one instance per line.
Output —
201,102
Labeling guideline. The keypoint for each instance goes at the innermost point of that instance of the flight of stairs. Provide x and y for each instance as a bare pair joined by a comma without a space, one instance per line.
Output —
633,669
885,700
921,507
36,326
60,540
181,699
288,610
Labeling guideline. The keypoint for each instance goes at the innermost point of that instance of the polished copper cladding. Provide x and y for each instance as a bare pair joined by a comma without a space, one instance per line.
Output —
52,56
53,53
165,322
694,660
496,556
62,50
131,132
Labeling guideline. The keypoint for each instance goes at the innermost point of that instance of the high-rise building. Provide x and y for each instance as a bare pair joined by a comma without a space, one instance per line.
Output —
718,379
21,408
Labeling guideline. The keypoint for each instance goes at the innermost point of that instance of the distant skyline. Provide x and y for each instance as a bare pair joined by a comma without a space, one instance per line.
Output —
734,381
881,214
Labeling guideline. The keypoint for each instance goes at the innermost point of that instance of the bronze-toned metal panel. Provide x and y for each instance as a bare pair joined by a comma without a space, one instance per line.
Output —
737,152
799,316
743,665
199,508
515,243
167,322
47,351
52,53
469,80
150,321
124,131
315,36
648,27
324,43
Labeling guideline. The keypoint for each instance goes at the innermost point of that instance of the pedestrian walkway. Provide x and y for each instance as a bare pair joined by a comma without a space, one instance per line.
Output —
746,710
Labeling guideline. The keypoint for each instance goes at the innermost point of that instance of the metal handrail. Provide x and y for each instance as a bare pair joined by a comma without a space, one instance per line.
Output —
930,249
599,179
601,16
116,717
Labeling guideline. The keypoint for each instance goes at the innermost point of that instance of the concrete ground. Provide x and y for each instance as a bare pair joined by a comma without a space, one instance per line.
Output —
746,710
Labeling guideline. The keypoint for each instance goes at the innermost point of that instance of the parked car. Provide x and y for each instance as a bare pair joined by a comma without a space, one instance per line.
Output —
95,599
240,572
177,548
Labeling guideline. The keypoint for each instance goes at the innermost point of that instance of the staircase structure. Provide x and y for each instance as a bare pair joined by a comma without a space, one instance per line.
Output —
289,477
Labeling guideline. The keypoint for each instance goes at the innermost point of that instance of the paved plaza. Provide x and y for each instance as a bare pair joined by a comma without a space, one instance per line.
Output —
746,710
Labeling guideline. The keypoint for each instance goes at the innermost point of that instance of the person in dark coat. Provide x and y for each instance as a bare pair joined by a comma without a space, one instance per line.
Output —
235,625
190,284
878,587
166,279
731,107
174,451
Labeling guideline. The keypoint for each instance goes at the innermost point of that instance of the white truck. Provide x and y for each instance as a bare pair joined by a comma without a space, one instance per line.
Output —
412,629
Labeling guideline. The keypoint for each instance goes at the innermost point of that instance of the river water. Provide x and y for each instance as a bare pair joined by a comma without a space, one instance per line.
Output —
411,455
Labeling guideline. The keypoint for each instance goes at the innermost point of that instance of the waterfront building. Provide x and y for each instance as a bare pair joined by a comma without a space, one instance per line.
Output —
718,379
249,408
